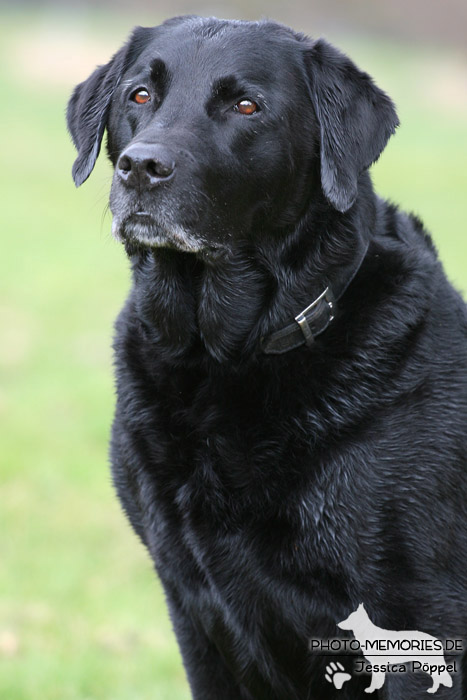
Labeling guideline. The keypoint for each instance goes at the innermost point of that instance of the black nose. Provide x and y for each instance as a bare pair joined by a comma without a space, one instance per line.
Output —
145,165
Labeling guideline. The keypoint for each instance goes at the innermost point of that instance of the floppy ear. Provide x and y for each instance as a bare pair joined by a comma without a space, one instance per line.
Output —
355,117
89,105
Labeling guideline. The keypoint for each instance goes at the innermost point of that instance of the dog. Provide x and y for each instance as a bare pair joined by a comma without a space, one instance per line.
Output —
289,437
369,636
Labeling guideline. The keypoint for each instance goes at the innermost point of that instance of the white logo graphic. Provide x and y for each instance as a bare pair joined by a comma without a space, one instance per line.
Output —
335,674
370,637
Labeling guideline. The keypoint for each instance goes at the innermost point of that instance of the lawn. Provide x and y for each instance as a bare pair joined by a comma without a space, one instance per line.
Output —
82,616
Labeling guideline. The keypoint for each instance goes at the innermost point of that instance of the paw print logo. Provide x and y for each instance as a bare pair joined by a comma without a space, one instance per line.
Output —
336,674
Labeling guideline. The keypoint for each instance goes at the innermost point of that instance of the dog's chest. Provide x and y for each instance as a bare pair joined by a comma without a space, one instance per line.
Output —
231,451
234,505
237,488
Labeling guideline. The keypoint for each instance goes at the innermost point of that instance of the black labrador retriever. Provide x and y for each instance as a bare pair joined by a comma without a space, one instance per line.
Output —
290,432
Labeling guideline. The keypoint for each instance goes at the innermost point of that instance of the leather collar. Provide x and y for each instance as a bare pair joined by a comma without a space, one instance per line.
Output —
317,316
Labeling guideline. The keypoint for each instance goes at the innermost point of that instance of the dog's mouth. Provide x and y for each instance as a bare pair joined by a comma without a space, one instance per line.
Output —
143,230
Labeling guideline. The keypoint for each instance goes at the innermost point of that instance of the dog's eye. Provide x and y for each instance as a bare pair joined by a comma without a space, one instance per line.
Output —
140,96
246,107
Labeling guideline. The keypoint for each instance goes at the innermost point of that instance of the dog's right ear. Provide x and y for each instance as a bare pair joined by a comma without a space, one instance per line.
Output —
89,105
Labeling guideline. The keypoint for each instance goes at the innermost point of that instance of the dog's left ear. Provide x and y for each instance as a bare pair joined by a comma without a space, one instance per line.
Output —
89,105
355,117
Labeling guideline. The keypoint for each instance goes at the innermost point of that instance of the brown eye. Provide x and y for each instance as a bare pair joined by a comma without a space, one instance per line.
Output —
140,96
246,107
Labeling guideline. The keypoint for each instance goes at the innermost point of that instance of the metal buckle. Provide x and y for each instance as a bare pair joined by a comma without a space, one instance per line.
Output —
302,320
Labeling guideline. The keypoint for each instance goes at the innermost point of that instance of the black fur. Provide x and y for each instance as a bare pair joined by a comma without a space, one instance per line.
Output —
277,492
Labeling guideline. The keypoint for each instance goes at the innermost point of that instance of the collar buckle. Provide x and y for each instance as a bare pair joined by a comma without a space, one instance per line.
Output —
305,317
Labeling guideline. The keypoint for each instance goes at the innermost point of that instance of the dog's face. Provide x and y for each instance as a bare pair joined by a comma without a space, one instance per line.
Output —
355,619
217,129
198,133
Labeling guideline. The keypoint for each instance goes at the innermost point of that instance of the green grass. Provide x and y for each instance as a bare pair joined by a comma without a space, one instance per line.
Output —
82,616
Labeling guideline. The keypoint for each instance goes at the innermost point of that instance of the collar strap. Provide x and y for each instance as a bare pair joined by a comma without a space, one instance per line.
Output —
316,317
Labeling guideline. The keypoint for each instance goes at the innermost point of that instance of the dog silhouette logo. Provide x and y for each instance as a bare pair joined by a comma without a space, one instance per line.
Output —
405,647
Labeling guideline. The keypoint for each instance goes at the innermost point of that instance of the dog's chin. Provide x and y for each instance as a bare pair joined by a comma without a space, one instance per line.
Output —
142,231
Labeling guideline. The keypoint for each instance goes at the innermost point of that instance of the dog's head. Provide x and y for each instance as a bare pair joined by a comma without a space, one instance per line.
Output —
355,620
216,128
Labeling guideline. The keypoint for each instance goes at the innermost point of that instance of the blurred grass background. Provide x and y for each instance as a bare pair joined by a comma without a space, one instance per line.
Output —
82,616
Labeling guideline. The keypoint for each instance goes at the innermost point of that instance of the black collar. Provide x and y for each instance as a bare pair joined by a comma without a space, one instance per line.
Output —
317,316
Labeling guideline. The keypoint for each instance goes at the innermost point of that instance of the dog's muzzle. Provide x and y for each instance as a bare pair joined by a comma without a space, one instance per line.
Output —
143,166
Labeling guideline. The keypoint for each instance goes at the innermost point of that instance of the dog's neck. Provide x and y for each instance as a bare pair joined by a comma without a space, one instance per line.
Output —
223,307
365,629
